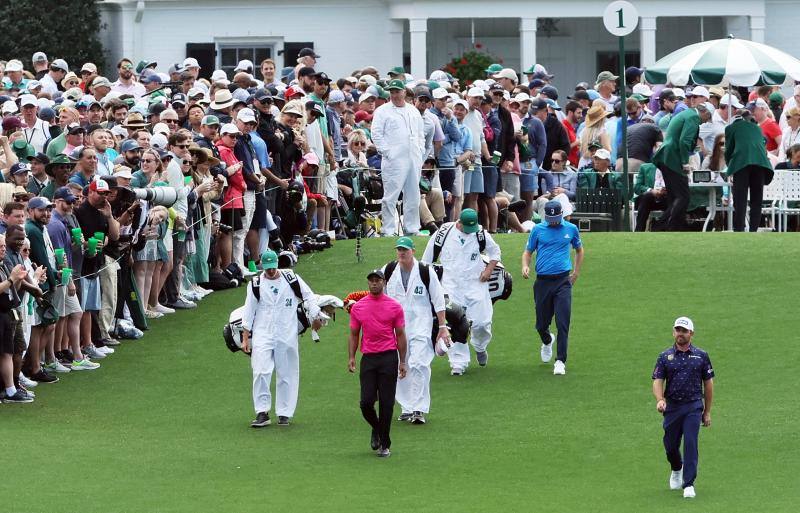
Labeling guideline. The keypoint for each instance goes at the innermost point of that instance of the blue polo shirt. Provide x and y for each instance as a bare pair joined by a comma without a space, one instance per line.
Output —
261,150
684,372
551,245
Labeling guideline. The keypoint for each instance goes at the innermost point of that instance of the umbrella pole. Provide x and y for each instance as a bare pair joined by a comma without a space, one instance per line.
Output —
624,120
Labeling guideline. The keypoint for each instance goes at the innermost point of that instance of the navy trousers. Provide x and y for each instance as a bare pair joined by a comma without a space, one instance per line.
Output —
682,421
553,295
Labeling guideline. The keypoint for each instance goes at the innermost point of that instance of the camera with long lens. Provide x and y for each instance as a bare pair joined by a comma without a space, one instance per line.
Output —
164,196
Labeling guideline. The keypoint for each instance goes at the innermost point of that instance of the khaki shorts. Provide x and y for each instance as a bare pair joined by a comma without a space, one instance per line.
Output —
72,304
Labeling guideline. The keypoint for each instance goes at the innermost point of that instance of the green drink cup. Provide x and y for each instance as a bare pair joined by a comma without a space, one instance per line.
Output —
66,274
59,252
92,250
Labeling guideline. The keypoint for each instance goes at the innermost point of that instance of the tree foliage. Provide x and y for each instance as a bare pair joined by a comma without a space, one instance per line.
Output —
62,29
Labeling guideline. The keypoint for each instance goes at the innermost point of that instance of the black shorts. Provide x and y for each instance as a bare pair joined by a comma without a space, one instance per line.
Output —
7,325
232,217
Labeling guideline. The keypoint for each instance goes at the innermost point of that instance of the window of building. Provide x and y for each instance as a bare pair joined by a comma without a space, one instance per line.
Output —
229,55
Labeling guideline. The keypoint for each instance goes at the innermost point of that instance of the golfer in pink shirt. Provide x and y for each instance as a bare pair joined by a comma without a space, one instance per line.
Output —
379,321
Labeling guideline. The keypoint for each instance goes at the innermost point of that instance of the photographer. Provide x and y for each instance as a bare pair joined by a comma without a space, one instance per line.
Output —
431,206
9,300
294,218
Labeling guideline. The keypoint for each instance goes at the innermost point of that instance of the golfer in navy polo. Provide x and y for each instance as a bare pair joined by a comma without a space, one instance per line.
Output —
685,402
552,290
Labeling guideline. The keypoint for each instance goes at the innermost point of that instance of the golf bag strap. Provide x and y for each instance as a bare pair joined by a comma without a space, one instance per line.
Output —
255,286
444,231
291,278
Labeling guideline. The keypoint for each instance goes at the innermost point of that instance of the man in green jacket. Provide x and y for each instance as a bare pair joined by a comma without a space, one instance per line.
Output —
599,176
746,156
672,158
650,194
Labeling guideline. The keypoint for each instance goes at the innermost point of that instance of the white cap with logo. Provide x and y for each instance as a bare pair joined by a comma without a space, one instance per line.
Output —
683,322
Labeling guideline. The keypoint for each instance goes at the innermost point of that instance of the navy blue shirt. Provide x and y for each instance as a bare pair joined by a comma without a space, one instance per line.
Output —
551,245
685,372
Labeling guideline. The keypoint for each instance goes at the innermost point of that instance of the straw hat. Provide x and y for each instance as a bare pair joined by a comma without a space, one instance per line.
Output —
596,115
222,99
134,121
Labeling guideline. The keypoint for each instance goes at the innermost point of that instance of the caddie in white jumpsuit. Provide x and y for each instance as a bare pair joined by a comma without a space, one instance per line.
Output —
399,135
271,335
465,281
405,285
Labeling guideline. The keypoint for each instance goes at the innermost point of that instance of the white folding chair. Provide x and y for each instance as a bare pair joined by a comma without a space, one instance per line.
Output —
772,196
791,192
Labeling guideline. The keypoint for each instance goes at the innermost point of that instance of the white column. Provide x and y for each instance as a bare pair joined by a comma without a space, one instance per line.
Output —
647,40
396,43
757,27
527,43
418,30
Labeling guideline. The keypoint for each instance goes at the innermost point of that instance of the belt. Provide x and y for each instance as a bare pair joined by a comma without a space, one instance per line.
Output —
552,276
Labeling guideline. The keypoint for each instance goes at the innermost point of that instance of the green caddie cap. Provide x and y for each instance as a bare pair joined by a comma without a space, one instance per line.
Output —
396,85
269,260
469,220
404,242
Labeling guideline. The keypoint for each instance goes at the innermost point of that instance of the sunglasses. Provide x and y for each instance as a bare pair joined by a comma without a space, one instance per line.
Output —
170,121
105,193
182,146
86,73
359,144
149,161
556,161
126,66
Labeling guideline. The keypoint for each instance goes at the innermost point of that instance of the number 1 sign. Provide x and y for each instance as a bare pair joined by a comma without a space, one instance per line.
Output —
620,18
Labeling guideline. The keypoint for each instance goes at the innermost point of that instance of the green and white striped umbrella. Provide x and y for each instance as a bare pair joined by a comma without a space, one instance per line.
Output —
728,61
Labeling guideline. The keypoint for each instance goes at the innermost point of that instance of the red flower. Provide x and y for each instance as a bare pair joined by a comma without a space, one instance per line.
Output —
478,46
463,60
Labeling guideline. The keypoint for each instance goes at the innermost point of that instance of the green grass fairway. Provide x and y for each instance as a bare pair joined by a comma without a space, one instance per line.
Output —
163,426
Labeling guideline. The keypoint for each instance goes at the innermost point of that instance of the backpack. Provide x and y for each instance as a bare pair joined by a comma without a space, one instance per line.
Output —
291,278
441,236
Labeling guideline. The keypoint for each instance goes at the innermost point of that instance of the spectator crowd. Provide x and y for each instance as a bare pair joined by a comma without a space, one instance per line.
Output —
127,200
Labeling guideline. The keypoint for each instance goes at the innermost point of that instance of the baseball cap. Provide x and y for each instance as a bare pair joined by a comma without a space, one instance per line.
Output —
507,73
64,193
550,91
315,108
60,64
363,115
39,57
603,153
633,71
680,322
190,62
27,99
643,89
440,93
293,91
246,116
539,103
461,102
475,92
9,107
469,220
14,65
178,98
423,92
536,83
308,52
404,242
262,95
75,128
605,75
90,67
553,212
396,85
700,91
101,82
40,157
39,202
679,93
336,96
123,172
11,123
730,100
20,168
580,94
244,65
311,159
129,145
375,273
149,76
552,104
210,120
99,185
229,128
269,260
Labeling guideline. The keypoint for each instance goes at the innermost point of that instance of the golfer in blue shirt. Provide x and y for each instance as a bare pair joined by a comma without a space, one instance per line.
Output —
552,290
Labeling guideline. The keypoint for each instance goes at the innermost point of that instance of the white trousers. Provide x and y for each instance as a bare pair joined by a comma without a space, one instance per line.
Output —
239,235
285,360
108,306
402,176
478,306
414,391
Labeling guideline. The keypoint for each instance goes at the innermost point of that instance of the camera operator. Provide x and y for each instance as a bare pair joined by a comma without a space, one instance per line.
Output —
294,219
127,211
431,206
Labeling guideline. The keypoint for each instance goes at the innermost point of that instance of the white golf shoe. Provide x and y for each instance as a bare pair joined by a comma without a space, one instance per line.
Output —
688,492
547,349
559,369
676,480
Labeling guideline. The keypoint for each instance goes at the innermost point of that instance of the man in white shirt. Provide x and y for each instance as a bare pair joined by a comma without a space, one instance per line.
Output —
126,84
50,81
399,135
37,132
719,120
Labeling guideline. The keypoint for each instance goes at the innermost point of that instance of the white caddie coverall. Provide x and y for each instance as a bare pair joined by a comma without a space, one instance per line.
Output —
274,335
399,136
461,259
414,392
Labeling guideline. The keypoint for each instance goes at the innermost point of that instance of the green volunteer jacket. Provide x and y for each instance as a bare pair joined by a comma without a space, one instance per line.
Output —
745,146
587,179
645,179
680,141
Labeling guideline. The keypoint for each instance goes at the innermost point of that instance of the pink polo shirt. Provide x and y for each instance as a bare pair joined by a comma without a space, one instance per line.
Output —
377,317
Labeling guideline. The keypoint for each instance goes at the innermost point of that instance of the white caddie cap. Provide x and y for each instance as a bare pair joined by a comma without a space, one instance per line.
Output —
683,322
